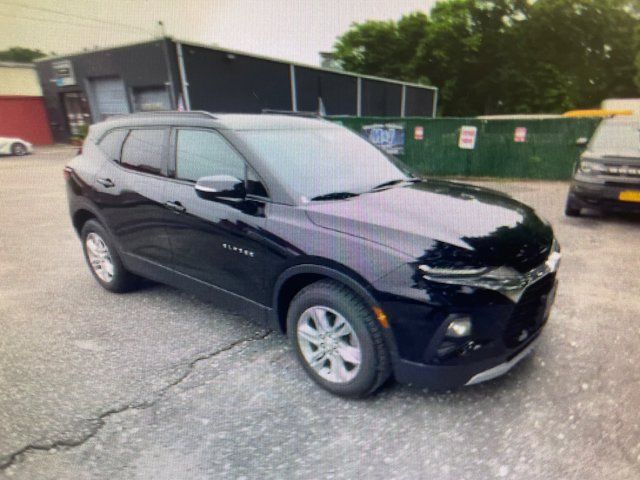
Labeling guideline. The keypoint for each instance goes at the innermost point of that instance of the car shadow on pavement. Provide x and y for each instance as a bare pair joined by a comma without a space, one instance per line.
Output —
610,218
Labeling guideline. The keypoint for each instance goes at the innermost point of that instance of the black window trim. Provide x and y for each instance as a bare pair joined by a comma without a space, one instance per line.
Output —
173,155
165,149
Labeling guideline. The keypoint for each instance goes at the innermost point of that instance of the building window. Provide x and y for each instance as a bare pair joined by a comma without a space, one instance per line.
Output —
149,99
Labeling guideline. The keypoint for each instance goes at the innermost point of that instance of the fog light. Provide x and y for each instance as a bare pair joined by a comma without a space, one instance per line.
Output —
459,327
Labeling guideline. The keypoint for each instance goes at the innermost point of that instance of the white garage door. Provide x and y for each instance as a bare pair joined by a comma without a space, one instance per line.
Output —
110,96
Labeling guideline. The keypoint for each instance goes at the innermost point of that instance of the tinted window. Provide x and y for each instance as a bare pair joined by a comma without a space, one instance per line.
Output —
254,185
111,144
201,153
144,150
315,162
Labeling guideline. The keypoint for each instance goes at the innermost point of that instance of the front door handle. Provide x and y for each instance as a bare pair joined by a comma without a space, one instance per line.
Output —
106,182
175,206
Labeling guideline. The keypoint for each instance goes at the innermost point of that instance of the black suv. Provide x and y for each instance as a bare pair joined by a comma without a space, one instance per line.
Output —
307,228
607,176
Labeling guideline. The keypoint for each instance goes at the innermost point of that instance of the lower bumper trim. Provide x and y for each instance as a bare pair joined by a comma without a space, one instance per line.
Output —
503,368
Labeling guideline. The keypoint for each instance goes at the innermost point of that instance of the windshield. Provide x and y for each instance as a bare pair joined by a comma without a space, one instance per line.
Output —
319,162
617,137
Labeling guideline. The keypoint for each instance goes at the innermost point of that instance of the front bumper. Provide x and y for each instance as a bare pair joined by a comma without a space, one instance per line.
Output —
503,333
448,377
602,195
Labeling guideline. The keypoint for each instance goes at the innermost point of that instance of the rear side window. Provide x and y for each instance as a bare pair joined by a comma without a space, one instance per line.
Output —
201,153
144,151
111,144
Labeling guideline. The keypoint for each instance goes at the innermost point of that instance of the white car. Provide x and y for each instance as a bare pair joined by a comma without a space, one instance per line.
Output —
14,146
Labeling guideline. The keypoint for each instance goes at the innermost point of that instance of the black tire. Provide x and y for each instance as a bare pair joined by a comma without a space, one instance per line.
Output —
19,149
122,280
375,366
570,209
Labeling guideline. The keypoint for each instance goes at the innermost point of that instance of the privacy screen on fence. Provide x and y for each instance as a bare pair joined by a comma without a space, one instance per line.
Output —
543,149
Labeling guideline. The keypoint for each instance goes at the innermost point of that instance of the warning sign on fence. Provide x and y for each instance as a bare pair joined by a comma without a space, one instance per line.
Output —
467,138
520,135
418,133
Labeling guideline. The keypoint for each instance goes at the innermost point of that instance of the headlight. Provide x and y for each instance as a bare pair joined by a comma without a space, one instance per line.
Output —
502,279
590,167
451,272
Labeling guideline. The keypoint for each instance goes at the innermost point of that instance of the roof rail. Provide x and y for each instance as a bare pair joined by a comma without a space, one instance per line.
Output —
292,113
168,112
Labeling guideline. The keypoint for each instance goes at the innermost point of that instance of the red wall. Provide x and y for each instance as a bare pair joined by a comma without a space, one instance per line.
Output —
26,118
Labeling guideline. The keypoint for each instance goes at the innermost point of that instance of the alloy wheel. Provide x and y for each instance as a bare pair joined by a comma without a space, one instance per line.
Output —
329,344
19,149
99,257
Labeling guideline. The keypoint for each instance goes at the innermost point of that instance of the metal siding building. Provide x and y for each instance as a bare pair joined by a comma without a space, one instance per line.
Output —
168,74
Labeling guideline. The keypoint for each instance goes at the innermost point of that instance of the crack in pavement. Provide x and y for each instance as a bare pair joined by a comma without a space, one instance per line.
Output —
8,461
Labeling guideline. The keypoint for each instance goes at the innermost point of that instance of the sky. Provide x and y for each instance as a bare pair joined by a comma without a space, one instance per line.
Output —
293,30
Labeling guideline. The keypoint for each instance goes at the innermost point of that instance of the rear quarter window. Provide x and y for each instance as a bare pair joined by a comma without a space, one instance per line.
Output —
111,144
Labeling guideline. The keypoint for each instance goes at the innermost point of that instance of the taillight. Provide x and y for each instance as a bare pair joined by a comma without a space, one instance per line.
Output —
66,172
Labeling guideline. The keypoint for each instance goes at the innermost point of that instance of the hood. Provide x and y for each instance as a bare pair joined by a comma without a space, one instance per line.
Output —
613,157
437,220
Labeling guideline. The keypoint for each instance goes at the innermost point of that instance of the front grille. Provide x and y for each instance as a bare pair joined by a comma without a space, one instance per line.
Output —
528,315
631,171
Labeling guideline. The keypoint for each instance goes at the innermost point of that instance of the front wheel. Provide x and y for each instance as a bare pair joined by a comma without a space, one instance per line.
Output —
337,340
570,209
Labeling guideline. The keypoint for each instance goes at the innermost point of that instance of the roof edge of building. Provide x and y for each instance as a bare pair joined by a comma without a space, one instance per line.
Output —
28,65
243,53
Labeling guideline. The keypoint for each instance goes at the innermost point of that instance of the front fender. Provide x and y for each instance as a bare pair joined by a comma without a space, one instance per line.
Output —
342,275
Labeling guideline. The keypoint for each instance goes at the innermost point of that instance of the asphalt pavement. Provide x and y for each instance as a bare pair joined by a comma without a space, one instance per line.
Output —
158,384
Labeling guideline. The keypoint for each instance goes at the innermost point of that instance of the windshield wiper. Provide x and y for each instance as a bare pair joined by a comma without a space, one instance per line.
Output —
395,182
335,196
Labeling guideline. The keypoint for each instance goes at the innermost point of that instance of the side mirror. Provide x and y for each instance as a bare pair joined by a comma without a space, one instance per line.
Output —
220,186
582,141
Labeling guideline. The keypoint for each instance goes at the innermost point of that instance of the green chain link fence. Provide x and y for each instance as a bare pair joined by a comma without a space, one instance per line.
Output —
548,151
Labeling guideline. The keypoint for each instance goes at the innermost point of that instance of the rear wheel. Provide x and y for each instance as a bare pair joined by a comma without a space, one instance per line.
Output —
18,149
337,340
103,259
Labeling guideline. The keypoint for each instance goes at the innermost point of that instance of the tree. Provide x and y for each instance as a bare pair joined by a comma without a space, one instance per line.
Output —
506,56
382,48
20,54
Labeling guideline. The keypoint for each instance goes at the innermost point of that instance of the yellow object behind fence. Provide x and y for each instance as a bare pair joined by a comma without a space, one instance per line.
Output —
596,113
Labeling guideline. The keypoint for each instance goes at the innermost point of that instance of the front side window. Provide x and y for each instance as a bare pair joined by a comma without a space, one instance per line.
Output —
143,151
111,144
202,153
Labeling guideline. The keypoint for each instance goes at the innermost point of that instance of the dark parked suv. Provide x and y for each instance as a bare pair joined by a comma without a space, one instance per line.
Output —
307,228
607,176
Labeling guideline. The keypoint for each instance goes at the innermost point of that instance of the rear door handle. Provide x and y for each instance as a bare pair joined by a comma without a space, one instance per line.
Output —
106,182
175,206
